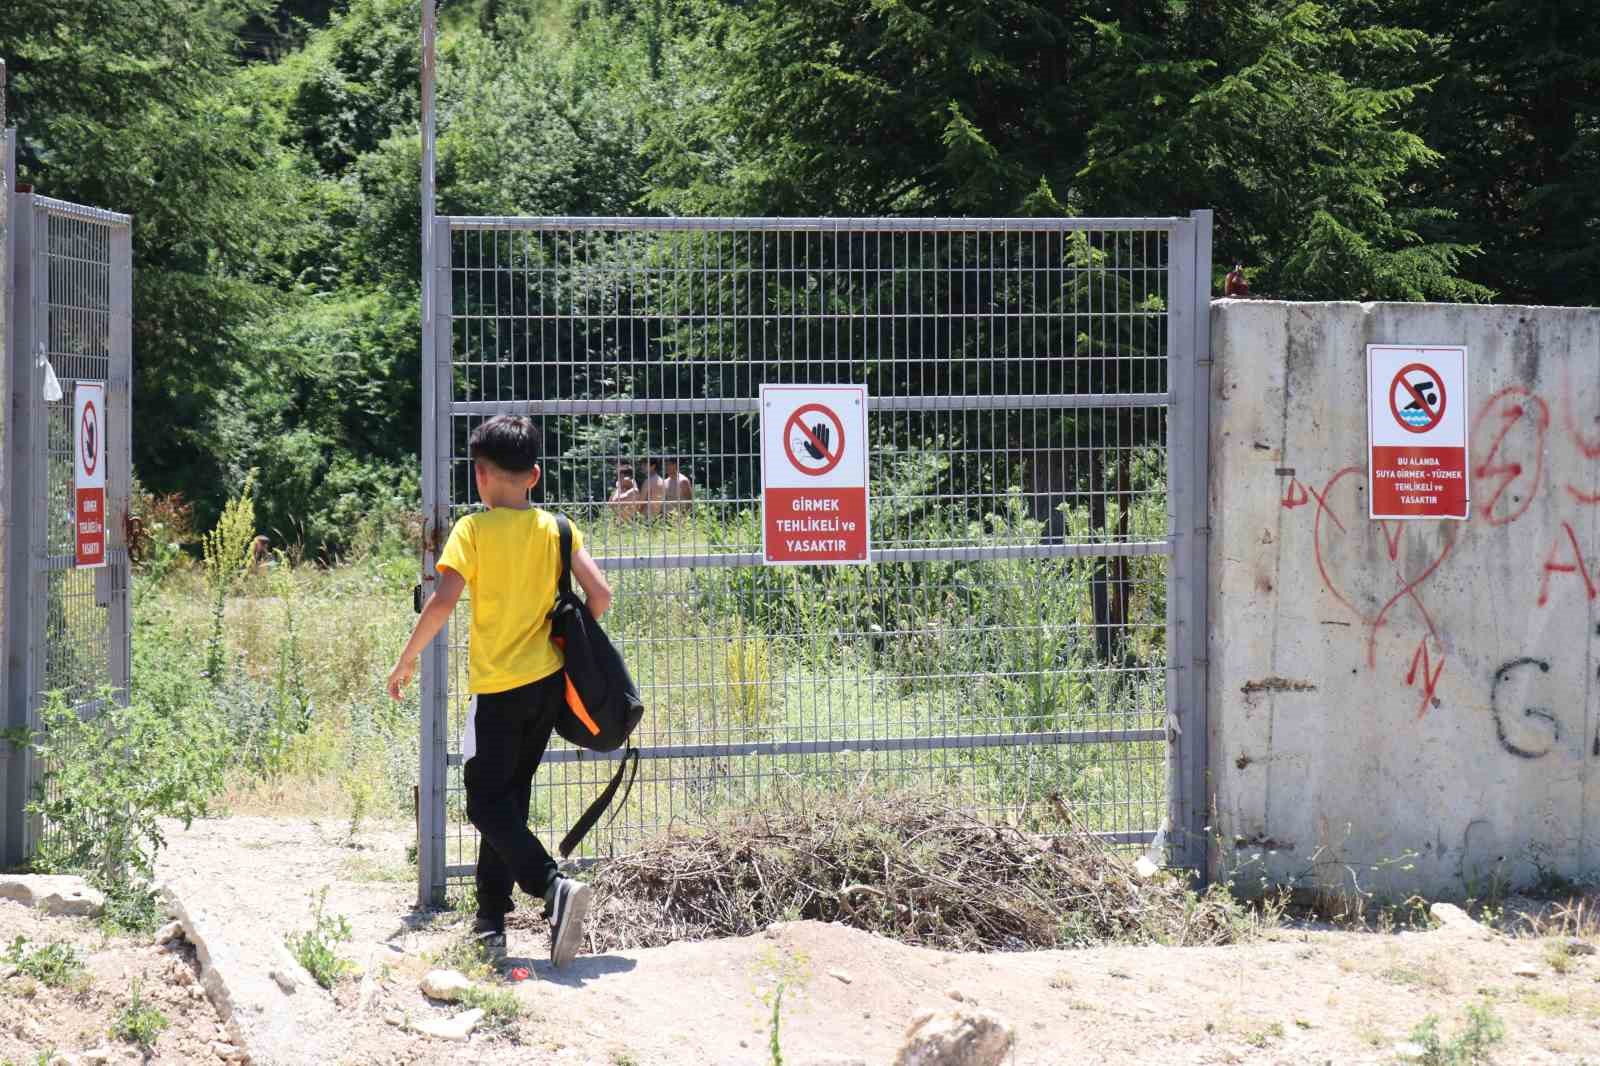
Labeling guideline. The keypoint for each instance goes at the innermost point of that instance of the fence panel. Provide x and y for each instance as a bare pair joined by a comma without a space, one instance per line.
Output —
1013,645
68,628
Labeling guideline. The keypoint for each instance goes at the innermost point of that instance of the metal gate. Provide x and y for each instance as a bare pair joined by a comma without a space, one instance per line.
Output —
1028,638
67,629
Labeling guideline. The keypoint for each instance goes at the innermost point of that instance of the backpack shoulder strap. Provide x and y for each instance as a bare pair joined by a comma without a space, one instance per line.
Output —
564,585
581,828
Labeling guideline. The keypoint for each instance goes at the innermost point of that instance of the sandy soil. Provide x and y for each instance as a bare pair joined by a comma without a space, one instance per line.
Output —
1296,996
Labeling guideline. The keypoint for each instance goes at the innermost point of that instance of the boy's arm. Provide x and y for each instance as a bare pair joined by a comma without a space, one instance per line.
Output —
435,613
593,582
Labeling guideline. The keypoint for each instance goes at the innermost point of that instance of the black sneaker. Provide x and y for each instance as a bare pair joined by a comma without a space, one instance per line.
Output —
490,935
566,902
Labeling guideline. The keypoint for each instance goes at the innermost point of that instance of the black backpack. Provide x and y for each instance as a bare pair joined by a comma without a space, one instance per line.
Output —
603,705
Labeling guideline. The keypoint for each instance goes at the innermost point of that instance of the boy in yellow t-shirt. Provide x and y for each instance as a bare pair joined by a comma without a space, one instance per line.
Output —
510,557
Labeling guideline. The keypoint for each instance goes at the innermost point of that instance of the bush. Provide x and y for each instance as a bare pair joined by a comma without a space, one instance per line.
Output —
111,777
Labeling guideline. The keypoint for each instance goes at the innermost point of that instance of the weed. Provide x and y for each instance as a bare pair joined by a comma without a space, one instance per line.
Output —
773,1044
313,948
623,1058
56,965
501,1007
226,550
139,1023
1263,1037
1558,956
1467,1048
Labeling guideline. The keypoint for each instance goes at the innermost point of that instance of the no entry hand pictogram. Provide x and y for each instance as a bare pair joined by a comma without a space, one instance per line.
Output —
90,442
817,448
1416,397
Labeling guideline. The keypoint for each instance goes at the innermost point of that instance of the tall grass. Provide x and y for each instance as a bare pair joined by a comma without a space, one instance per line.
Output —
723,656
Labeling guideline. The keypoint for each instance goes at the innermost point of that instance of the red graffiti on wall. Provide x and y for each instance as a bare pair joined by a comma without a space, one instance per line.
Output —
1393,533
1430,678
1511,436
1576,565
1502,466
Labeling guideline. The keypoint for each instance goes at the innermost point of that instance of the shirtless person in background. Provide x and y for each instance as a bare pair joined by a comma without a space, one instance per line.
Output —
655,490
680,490
626,500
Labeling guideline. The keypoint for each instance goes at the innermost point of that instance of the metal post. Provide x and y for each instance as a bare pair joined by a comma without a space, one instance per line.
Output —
119,432
9,754
1189,369
433,687
19,521
1197,729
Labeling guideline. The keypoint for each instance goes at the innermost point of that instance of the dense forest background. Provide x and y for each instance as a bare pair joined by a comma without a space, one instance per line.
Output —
1352,149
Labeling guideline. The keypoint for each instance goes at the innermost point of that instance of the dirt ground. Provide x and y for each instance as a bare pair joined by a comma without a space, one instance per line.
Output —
38,1021
1294,996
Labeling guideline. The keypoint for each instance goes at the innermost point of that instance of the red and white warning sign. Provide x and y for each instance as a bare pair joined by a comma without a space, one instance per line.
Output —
1417,423
89,471
814,474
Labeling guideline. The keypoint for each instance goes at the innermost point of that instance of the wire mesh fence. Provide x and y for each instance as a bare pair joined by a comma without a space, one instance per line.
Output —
68,627
1008,644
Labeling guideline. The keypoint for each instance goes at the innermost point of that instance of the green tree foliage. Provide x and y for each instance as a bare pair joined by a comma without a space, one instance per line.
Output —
1515,116
269,153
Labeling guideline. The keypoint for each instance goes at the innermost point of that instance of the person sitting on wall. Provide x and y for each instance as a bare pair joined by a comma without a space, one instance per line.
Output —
626,499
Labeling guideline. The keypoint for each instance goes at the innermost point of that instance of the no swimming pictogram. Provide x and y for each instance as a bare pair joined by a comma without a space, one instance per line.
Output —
1417,398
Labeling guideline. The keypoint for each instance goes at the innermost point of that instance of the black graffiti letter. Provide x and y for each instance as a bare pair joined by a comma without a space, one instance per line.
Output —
1541,713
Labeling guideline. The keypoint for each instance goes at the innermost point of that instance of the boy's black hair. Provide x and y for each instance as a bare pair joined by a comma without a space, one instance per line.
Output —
509,442
652,463
671,460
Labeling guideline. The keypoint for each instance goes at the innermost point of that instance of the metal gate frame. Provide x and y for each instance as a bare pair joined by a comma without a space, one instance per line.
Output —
1187,402
71,306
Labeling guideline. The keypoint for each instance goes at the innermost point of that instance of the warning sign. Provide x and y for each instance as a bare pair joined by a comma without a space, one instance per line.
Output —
1417,425
814,474
89,474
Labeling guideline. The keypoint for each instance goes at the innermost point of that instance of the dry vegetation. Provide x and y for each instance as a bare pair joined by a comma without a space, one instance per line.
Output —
904,866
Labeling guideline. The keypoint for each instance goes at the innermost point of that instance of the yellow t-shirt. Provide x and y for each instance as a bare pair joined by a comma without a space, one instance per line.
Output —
511,562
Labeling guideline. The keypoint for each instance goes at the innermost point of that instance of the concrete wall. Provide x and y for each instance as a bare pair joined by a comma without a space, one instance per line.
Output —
1417,696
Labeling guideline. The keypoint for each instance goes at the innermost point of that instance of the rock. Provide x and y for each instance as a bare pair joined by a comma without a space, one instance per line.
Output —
285,979
447,985
169,932
840,975
225,1052
458,1028
1409,1052
7,972
956,1038
1453,918
1578,946
1145,868
958,995
196,992
57,896
97,1056
1526,970
395,1018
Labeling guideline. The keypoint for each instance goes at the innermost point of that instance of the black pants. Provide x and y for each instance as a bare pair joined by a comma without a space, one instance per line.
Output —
507,736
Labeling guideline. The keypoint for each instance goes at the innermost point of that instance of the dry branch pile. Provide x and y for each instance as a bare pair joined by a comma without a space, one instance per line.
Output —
905,867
